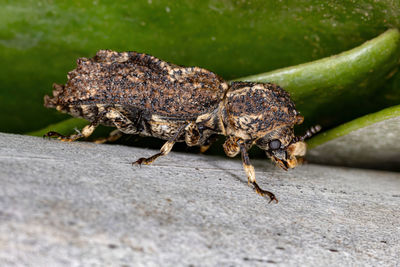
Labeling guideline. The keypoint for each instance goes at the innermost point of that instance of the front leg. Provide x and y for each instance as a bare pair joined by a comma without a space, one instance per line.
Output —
251,175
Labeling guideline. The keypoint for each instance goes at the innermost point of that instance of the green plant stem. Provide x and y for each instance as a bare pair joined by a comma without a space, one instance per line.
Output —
356,124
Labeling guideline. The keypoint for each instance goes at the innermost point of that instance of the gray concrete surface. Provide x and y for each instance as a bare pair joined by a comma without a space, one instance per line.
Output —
375,146
82,204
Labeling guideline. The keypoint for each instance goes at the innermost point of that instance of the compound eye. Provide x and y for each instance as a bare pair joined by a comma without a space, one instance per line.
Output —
274,144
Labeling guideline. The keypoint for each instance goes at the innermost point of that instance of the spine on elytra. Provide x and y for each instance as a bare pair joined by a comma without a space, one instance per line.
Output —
52,102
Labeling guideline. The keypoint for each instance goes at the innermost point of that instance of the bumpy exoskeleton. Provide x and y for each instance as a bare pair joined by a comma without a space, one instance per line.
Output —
140,94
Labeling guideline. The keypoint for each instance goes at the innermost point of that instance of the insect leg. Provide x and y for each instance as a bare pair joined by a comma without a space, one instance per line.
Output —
231,146
85,132
251,175
204,147
165,149
113,136
120,121
192,134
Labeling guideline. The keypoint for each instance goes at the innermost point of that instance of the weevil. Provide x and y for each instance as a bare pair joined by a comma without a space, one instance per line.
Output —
141,94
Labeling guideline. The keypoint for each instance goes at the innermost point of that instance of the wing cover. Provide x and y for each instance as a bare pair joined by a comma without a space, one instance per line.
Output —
142,82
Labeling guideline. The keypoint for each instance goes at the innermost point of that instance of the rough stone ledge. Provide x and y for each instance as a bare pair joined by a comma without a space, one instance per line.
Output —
81,204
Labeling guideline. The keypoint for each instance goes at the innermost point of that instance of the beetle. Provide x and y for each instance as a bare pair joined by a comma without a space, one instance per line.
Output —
141,94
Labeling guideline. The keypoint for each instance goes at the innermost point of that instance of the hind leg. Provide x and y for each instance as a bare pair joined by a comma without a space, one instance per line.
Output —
112,137
86,131
120,121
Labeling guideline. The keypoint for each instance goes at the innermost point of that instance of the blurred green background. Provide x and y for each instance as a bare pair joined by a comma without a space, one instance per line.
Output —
41,40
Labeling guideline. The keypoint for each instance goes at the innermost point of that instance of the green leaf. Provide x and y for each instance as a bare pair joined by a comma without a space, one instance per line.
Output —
338,88
372,141
41,39
324,89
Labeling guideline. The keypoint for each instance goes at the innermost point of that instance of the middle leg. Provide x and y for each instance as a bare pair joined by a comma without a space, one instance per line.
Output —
165,149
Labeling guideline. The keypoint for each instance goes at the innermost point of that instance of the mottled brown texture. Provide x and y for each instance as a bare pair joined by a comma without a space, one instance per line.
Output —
140,94
255,109
141,82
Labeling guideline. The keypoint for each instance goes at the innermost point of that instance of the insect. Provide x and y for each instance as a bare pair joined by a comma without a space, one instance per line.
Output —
140,94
